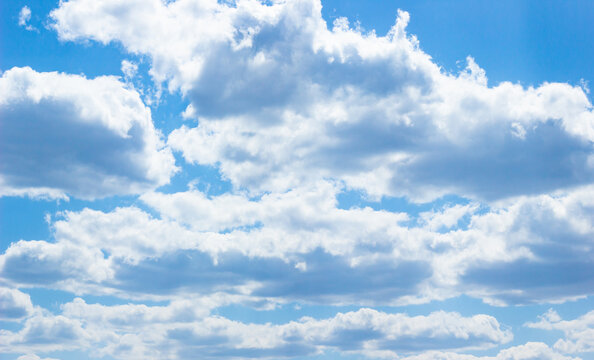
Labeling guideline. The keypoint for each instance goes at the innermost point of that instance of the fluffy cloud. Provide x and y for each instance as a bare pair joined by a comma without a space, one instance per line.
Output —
14,304
293,254
45,332
554,233
293,113
68,135
299,246
32,357
282,101
24,17
579,333
528,351
125,331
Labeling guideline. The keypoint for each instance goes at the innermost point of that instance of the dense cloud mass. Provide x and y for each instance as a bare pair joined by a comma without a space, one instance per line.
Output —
300,246
67,135
493,185
281,100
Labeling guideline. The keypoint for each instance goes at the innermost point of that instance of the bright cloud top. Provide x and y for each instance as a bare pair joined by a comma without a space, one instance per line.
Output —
67,135
281,100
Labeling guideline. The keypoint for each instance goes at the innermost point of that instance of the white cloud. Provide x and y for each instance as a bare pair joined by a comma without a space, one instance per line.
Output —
528,351
283,101
32,357
554,235
24,17
298,246
517,252
447,218
579,333
173,331
123,249
532,351
68,135
129,69
14,304
45,332
293,114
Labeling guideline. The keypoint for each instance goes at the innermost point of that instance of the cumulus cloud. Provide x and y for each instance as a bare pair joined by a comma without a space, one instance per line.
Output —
68,135
300,246
124,331
32,357
579,333
282,100
14,304
24,17
528,351
122,250
45,332
554,232
293,112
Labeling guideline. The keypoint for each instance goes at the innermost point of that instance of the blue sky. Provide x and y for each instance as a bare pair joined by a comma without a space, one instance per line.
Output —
196,179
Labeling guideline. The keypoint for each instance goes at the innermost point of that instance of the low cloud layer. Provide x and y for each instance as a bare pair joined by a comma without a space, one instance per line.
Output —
300,246
176,331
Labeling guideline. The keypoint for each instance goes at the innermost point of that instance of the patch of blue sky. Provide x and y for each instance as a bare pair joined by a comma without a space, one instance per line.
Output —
357,199
42,51
10,325
22,218
52,299
244,228
205,178
526,41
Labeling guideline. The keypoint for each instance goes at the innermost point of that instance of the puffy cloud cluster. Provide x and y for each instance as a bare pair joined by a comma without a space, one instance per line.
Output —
68,135
183,328
579,333
300,246
293,113
281,101
528,351
14,305
175,331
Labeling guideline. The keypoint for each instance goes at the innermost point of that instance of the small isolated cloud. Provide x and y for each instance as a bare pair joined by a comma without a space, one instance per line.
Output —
24,17
68,135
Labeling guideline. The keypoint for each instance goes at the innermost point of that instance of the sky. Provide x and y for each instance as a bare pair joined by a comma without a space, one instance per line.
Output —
300,179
